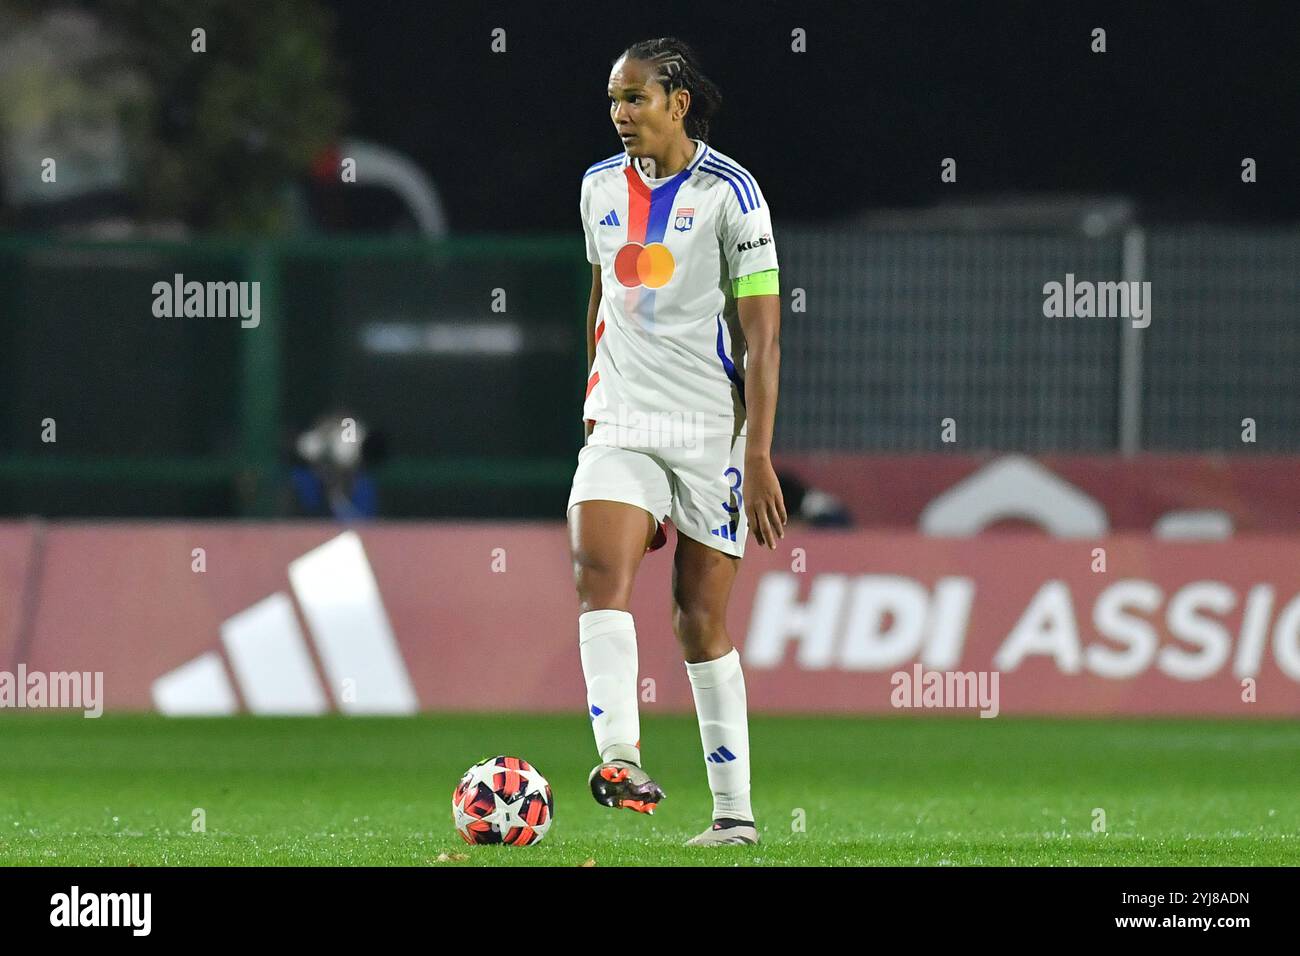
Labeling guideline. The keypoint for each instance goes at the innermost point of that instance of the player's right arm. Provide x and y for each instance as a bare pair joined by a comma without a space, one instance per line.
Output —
593,306
593,303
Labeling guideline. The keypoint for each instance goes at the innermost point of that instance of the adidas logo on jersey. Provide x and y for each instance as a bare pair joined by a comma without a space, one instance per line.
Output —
611,219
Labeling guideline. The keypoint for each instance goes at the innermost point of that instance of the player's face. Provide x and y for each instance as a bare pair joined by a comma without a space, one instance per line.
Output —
640,109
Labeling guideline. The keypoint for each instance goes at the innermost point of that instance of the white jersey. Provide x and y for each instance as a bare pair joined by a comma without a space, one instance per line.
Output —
668,337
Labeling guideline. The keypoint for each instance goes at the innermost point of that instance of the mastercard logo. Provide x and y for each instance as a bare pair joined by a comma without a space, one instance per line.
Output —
651,266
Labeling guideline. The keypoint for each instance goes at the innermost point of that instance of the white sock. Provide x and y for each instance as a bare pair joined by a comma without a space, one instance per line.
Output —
607,643
719,689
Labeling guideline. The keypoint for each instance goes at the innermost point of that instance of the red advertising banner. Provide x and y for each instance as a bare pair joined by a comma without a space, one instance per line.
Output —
1089,495
392,618
17,544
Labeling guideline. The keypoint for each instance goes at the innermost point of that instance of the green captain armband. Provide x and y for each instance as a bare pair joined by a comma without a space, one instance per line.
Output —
756,283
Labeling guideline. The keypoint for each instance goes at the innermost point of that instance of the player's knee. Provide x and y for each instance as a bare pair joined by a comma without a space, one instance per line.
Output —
600,585
695,627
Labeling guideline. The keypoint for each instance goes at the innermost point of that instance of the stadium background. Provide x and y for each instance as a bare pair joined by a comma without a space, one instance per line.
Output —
440,299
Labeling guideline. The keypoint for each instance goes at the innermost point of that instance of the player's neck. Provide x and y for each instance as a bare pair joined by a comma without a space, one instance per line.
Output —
678,157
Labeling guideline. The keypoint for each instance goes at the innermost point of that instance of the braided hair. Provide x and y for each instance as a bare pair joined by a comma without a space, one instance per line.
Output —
675,66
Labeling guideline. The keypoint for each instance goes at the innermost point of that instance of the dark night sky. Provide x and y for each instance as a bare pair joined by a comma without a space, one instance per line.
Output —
862,120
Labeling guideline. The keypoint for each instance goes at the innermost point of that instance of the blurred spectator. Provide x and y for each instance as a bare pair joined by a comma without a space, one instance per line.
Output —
329,477
811,505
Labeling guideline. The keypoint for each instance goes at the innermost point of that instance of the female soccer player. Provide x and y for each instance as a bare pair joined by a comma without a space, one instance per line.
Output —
682,345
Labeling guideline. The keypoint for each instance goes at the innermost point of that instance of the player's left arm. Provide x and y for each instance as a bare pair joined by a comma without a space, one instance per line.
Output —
760,321
745,232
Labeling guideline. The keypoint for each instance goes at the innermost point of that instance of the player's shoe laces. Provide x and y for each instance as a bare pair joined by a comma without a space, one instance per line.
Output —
724,832
621,783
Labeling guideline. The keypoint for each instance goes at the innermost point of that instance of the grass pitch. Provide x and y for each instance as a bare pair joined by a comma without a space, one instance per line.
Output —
894,790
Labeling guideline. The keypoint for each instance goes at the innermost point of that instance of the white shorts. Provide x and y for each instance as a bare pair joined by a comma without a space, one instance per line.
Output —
696,484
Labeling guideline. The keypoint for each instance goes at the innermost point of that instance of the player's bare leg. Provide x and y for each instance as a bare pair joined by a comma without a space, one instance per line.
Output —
702,581
607,540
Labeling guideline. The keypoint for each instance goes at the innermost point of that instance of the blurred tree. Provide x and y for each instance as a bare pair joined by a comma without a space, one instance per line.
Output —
64,88
223,132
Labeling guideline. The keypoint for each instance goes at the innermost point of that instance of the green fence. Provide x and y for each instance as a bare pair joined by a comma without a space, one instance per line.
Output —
468,354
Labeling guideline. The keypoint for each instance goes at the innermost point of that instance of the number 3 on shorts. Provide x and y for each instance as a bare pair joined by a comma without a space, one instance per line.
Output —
735,490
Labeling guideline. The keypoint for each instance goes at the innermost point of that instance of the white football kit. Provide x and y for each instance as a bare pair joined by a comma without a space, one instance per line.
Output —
666,389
